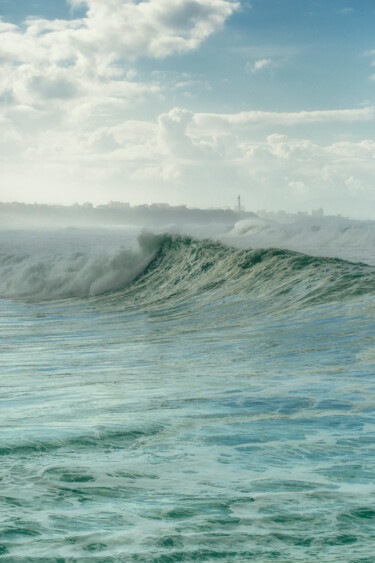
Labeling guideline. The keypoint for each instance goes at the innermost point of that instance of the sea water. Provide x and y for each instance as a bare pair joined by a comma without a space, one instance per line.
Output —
183,400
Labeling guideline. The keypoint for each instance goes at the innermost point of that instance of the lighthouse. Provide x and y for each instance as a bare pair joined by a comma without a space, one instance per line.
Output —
239,204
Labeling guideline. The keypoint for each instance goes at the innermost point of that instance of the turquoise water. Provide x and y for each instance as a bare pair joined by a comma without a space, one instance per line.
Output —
211,404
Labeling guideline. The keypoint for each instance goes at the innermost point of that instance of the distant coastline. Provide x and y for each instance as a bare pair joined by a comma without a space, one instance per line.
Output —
114,213
18,215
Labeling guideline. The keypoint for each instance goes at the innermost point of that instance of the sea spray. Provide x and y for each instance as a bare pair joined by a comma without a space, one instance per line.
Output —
40,275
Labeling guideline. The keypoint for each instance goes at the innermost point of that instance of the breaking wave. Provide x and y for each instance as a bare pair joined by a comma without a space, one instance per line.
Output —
174,267
320,236
80,274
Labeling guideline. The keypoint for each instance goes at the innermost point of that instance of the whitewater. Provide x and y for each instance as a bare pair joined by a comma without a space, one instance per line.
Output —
188,394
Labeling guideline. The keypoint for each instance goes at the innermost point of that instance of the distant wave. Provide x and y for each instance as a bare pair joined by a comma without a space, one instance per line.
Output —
327,236
168,267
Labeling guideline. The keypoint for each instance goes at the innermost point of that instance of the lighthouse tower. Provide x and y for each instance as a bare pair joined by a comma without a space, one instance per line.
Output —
239,204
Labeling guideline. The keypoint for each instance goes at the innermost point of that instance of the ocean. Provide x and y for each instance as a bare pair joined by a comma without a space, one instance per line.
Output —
170,397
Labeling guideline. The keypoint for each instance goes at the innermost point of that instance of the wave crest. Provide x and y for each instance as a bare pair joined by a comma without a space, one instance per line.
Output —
168,267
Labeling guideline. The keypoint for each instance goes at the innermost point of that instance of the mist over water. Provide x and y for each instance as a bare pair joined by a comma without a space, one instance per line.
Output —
188,398
320,236
53,265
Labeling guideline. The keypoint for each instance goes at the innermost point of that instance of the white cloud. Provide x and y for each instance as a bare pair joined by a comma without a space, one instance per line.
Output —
370,53
117,28
180,157
79,72
258,65
247,118
156,28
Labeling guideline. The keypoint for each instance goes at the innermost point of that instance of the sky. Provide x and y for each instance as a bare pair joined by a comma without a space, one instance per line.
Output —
189,102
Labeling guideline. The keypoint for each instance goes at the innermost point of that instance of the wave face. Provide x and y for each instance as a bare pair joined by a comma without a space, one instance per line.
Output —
183,267
173,267
181,400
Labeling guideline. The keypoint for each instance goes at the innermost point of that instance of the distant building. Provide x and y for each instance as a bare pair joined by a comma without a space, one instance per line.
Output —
317,212
160,205
239,208
118,205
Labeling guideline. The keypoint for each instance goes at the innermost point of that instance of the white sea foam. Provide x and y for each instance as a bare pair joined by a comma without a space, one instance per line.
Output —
49,266
336,237
324,236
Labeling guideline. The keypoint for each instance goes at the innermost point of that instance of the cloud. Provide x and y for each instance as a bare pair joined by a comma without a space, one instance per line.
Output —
47,87
346,10
259,65
184,156
112,31
370,53
181,157
119,28
156,28
245,119
81,71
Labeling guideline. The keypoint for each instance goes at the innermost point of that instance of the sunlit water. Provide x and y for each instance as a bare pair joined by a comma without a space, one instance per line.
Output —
219,406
